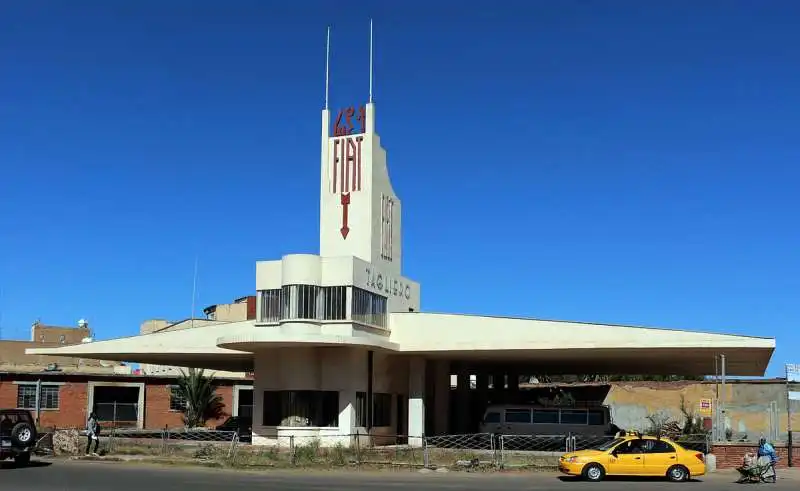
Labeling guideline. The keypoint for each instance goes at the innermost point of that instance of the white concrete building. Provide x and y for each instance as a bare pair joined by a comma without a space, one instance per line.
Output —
340,346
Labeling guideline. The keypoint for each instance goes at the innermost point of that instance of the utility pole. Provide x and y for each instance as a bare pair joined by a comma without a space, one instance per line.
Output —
715,428
722,397
791,376
38,401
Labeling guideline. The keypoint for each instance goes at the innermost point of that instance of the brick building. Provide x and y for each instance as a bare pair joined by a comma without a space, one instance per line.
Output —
136,401
60,390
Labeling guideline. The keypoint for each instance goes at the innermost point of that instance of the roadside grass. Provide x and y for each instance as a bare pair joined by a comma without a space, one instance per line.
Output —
313,456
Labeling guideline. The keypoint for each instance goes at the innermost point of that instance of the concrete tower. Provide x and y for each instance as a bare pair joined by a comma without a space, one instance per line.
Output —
360,214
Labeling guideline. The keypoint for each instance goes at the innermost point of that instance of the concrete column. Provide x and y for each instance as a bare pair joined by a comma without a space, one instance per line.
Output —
441,397
347,412
416,401
513,381
497,394
462,399
482,386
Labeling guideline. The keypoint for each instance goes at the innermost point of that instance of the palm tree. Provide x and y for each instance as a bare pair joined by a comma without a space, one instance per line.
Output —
202,401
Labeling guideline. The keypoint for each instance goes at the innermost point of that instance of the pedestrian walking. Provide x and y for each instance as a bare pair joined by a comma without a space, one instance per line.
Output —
92,433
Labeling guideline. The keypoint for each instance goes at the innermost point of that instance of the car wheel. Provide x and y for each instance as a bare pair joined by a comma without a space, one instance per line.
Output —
678,473
22,459
23,434
593,472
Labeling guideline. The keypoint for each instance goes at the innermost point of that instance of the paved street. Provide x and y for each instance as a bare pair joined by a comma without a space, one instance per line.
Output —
93,476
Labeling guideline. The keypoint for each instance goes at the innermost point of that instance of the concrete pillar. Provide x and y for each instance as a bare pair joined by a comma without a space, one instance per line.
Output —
482,386
497,394
513,381
441,397
416,401
462,399
347,412
482,381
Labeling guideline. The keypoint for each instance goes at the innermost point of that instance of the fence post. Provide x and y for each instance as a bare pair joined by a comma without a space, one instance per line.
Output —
502,462
233,447
426,462
493,449
164,441
358,447
292,455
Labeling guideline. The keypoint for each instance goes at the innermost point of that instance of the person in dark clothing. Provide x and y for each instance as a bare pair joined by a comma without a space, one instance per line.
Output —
92,433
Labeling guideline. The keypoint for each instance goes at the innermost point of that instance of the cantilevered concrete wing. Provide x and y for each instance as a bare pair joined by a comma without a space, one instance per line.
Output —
533,346
195,347
556,347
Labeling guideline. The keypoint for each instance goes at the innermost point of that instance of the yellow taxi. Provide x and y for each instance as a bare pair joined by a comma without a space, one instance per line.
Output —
635,455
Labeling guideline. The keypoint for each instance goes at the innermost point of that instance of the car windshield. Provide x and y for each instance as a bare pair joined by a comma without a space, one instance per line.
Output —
611,444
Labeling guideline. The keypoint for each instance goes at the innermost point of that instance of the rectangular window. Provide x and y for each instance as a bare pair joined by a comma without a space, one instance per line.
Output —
307,302
518,416
369,308
177,402
48,397
301,408
335,303
574,417
361,409
289,302
300,301
382,410
545,416
597,418
26,396
304,302
270,305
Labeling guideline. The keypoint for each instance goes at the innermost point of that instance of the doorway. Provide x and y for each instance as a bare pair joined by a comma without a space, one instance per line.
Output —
117,406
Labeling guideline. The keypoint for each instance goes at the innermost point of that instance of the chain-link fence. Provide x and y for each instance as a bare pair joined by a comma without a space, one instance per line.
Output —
170,443
174,443
468,451
531,450
331,451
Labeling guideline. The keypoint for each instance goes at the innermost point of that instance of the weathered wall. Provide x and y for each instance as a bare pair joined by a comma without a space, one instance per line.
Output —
731,455
73,399
752,408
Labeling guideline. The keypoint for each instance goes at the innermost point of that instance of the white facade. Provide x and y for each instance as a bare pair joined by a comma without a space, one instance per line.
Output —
339,346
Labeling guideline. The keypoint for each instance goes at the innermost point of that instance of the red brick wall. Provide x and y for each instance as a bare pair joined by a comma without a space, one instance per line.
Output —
731,455
157,413
72,404
73,400
156,403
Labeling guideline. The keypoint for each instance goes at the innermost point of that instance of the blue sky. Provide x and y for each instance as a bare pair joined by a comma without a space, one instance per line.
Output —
623,162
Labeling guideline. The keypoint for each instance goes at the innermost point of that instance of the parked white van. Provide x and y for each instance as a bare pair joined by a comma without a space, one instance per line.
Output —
538,420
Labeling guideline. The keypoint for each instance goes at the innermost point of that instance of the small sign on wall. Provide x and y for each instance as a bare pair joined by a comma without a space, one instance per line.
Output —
792,372
794,395
705,407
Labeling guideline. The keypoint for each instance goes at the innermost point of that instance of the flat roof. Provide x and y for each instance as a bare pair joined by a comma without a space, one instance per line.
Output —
532,346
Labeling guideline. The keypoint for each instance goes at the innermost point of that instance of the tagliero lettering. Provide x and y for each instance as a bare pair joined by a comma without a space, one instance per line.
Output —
386,284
